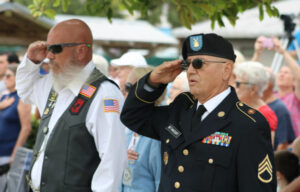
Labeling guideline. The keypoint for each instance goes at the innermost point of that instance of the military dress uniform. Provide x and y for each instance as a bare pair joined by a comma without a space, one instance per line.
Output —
229,151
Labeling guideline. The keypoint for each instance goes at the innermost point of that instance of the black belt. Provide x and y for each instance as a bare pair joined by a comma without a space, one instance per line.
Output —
4,169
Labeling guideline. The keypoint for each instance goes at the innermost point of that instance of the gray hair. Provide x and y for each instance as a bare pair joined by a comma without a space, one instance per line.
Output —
254,73
185,82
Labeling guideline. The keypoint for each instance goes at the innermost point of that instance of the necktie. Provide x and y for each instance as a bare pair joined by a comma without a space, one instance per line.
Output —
197,116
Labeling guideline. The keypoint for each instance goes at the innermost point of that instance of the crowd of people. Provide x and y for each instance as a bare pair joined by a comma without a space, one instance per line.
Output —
210,121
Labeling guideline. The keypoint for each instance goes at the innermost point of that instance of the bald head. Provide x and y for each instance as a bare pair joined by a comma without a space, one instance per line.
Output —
73,31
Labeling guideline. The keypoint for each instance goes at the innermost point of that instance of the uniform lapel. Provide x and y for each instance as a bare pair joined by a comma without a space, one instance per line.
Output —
186,119
215,121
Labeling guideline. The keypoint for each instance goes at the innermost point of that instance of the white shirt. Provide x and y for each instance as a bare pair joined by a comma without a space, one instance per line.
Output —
105,127
211,104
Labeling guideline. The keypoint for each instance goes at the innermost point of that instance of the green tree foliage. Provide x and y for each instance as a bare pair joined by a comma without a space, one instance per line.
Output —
188,11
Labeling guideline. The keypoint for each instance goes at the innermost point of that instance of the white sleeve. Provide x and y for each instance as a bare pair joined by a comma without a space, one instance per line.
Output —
110,140
31,87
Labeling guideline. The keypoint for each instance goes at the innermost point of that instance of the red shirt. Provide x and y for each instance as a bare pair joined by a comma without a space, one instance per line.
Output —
270,116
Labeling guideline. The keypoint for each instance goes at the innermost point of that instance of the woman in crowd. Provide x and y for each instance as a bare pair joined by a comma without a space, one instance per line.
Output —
15,121
144,158
251,81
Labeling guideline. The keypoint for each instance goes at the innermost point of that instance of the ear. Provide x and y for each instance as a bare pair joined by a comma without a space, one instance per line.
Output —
227,70
81,52
253,89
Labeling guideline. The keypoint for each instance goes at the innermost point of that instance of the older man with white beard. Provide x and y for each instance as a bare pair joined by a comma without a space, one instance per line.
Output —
75,148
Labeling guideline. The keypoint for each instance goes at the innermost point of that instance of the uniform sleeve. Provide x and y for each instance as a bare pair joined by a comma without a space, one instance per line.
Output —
139,113
31,87
256,169
109,136
155,162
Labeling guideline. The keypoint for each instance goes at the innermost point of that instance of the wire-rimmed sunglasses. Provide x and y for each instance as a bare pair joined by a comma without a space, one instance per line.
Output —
238,83
128,87
197,63
58,48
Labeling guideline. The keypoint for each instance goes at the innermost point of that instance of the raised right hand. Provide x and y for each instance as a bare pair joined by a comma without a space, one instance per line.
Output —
8,101
165,72
37,51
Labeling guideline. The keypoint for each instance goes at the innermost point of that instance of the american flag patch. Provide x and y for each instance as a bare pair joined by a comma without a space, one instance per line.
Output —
88,90
111,105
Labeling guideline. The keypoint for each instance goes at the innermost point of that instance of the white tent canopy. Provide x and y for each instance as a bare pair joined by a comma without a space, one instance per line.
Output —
126,31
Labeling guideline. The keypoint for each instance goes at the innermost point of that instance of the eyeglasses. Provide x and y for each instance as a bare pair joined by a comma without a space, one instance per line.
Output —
128,87
238,83
57,48
196,63
8,75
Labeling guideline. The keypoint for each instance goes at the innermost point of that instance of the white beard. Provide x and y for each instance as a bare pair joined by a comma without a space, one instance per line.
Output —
70,75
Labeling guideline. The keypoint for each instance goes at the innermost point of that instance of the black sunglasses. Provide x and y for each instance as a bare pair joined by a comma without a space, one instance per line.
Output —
57,48
196,63
128,87
238,83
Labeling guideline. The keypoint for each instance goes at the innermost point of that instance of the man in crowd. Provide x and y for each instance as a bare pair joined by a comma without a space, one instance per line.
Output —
125,64
210,140
75,148
284,134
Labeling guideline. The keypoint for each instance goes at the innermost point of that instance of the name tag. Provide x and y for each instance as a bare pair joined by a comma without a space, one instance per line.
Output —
173,131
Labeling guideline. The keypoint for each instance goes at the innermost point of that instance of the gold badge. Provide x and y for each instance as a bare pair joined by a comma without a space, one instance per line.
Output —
265,170
221,114
251,111
46,111
196,43
166,158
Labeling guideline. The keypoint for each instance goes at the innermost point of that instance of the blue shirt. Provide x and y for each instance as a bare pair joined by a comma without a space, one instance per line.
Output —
9,125
145,171
285,131
292,46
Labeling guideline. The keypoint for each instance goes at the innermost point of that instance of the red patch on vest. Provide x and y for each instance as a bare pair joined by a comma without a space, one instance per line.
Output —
78,104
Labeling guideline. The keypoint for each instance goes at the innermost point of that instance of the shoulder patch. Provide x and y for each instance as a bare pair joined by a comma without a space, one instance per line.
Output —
111,105
264,172
246,110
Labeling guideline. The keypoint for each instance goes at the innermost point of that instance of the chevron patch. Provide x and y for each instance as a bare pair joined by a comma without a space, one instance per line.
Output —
265,170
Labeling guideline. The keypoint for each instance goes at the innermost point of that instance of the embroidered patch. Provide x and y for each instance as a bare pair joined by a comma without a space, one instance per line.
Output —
265,171
77,106
196,42
173,131
111,105
218,138
88,91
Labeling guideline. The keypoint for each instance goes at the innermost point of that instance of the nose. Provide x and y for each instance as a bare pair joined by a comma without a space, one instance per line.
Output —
191,69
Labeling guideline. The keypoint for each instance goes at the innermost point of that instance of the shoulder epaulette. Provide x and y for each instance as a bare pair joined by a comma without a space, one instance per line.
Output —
246,110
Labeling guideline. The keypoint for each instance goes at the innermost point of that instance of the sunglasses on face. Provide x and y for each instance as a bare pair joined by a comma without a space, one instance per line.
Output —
238,83
58,48
196,63
128,87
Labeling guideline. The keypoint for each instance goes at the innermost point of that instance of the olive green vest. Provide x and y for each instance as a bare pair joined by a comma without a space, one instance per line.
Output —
71,157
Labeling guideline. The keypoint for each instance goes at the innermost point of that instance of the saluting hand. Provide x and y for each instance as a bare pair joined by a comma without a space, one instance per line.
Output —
37,51
165,73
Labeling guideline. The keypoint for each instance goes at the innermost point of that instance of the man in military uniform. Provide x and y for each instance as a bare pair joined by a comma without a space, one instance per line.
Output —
211,142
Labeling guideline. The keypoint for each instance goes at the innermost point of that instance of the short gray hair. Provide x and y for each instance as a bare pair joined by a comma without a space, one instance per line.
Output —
254,73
